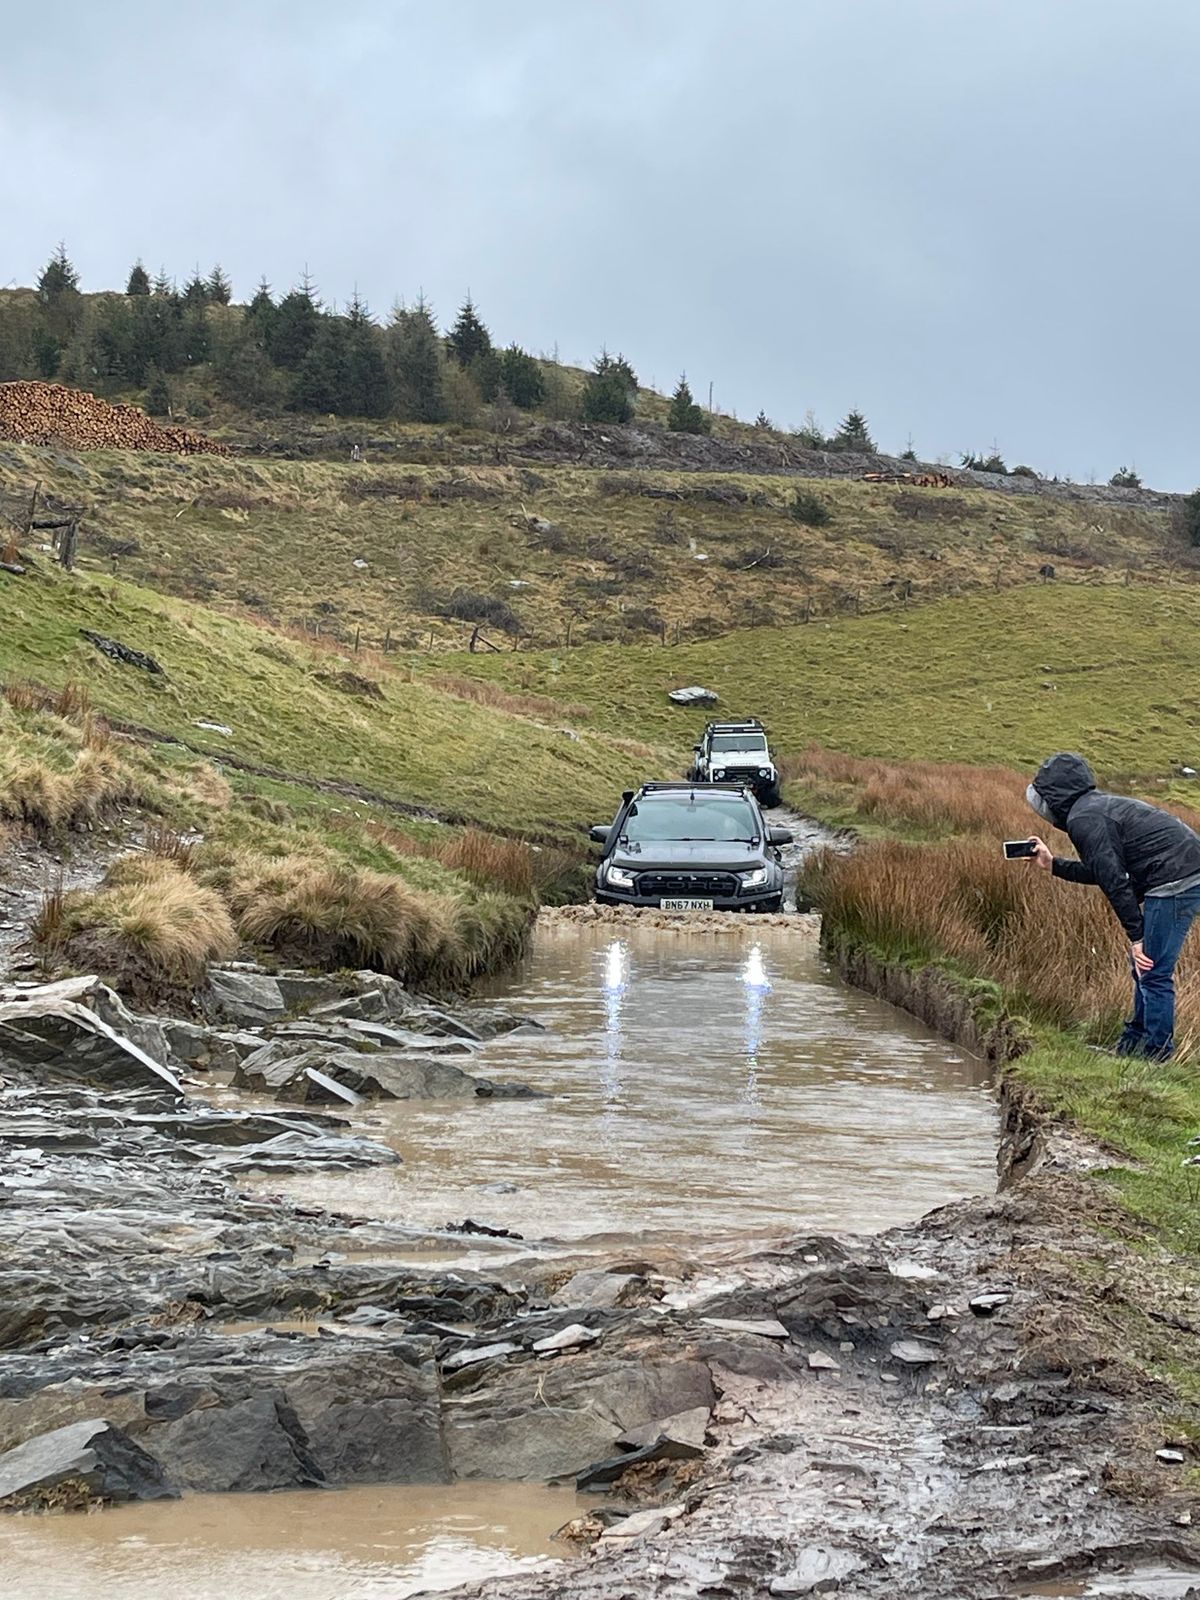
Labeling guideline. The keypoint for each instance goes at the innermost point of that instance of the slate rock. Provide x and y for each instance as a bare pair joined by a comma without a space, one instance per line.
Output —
913,1353
66,1039
686,1427
255,1444
84,1461
246,999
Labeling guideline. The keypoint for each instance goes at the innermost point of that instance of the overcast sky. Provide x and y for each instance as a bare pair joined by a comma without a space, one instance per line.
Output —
976,220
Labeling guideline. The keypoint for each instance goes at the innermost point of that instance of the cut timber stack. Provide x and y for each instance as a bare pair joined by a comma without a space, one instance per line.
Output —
50,413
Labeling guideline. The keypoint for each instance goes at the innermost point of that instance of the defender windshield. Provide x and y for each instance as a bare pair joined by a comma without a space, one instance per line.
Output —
739,741
691,818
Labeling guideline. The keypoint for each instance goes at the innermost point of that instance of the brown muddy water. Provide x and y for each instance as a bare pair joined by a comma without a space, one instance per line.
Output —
344,1544
704,1088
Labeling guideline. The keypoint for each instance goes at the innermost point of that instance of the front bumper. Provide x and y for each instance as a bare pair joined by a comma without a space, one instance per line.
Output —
764,899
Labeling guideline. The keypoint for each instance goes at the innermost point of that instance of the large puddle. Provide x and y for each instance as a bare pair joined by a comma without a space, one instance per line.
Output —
347,1544
704,1086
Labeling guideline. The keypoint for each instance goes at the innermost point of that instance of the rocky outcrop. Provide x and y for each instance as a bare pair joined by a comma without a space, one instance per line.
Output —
78,1465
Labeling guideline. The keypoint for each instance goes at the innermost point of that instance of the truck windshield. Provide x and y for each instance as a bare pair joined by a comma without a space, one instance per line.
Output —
722,742
689,817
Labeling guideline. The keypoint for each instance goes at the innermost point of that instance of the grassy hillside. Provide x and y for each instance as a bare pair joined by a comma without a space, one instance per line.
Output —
986,678
557,553
296,708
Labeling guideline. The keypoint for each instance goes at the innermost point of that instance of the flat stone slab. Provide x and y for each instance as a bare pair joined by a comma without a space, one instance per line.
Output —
764,1327
82,1462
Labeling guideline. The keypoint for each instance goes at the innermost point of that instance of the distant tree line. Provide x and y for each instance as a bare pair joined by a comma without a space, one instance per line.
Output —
292,352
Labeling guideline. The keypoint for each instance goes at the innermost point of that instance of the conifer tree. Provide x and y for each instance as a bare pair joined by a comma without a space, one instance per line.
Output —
854,434
219,286
685,415
522,378
58,278
139,280
259,317
368,392
195,290
158,394
610,392
415,364
469,340
323,380
164,287
762,420
297,319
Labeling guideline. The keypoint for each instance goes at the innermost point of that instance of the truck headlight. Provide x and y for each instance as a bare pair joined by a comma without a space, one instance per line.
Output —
757,879
764,772
618,878
719,775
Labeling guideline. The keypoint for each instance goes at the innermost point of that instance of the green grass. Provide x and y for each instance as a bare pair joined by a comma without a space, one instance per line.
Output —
1003,678
416,743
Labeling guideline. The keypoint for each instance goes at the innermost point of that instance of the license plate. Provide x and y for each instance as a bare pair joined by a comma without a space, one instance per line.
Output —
686,905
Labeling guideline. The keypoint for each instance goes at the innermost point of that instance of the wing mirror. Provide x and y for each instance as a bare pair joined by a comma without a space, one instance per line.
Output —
779,836
598,832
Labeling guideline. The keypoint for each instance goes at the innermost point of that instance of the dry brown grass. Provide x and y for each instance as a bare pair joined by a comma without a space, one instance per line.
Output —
1056,946
932,797
483,693
321,913
149,928
39,795
491,862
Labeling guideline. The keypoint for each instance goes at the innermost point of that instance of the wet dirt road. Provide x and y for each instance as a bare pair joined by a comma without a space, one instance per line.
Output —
703,1088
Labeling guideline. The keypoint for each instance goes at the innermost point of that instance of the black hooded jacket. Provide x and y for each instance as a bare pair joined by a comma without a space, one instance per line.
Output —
1125,846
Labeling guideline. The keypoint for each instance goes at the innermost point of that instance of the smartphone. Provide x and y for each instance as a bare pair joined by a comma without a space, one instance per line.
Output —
1014,849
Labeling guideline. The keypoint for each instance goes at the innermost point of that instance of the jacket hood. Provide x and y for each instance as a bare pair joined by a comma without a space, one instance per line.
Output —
1060,781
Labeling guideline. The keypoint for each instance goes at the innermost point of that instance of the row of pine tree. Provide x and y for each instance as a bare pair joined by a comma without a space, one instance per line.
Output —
293,352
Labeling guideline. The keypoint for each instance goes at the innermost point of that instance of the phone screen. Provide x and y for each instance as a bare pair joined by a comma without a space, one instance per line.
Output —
1014,849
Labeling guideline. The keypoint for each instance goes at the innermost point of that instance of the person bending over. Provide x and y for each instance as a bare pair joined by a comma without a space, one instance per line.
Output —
1148,864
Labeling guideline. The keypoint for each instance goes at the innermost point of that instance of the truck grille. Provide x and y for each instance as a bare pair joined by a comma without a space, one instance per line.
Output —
688,885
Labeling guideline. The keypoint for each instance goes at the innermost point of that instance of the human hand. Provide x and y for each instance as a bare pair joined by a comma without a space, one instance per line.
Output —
1043,856
1141,961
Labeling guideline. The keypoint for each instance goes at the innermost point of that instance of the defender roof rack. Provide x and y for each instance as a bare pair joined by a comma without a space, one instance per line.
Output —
748,725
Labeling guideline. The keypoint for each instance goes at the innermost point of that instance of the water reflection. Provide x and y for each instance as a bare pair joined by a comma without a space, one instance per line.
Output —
701,1086
756,985
616,982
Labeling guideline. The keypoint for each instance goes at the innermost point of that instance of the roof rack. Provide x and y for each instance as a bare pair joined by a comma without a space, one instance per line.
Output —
676,785
748,724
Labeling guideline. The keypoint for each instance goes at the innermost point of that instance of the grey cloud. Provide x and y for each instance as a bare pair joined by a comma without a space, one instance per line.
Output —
974,221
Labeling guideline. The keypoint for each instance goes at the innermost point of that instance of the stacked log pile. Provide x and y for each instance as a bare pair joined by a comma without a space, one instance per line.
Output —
50,413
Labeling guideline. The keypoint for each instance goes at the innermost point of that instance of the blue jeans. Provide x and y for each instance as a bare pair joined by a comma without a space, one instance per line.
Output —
1151,1029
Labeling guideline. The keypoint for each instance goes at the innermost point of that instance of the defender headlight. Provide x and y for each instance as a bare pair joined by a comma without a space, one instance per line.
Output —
757,879
618,878
764,772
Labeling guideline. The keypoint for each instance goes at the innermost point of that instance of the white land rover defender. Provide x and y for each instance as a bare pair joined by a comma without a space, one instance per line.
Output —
737,752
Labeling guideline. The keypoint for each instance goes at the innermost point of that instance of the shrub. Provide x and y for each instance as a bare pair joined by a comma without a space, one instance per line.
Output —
466,605
1126,478
149,928
1185,517
810,509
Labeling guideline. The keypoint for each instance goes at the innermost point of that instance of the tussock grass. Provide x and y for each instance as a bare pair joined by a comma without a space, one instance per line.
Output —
526,871
148,929
56,774
315,910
